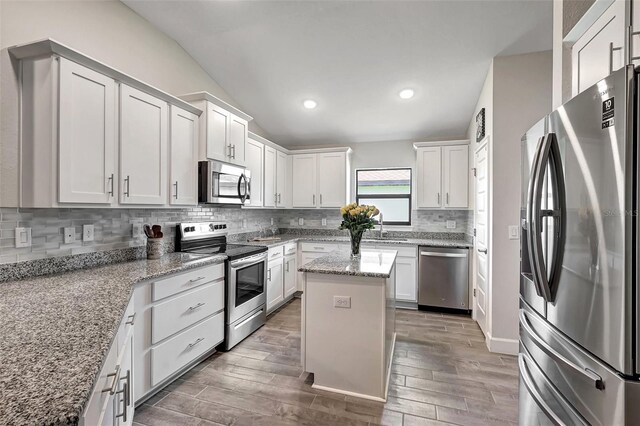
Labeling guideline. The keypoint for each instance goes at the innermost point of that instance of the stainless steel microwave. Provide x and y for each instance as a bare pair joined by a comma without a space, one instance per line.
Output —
221,183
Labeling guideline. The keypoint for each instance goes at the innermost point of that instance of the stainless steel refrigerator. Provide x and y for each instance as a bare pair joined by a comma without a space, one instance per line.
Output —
579,330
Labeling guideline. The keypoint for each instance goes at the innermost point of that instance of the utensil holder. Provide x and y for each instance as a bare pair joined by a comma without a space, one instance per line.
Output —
155,248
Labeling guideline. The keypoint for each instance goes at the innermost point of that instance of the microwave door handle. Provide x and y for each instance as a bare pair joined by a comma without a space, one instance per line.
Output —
241,195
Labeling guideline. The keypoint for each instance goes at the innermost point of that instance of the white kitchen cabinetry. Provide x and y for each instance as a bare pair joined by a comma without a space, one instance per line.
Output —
143,147
184,157
224,129
275,279
179,321
601,49
442,177
255,159
310,251
290,269
270,171
320,179
406,272
282,176
111,400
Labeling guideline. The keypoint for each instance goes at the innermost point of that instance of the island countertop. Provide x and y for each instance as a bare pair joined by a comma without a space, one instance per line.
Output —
57,329
372,263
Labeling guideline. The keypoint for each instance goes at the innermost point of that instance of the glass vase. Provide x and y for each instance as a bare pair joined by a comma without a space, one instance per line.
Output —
356,237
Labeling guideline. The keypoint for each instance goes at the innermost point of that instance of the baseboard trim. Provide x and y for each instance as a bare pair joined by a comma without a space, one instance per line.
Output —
344,392
502,346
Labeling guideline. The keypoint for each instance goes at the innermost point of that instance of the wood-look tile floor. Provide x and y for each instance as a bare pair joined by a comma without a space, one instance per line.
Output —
442,374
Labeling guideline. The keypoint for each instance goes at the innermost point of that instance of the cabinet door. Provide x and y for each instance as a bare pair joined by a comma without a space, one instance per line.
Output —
184,157
406,279
429,179
238,131
87,135
143,148
254,156
124,404
456,175
270,170
281,179
275,284
332,179
218,124
290,275
600,50
304,180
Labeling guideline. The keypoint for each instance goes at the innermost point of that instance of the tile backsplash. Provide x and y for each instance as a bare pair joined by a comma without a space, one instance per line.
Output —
113,227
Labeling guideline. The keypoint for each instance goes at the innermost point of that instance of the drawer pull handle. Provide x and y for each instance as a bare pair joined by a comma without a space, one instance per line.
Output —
112,389
193,308
131,319
191,345
196,279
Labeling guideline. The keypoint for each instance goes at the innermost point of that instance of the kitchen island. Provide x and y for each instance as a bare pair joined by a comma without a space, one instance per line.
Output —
348,322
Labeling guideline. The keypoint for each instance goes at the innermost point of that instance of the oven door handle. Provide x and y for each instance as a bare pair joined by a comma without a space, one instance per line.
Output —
247,261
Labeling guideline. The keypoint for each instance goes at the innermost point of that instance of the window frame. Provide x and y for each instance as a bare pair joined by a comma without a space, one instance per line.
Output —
409,196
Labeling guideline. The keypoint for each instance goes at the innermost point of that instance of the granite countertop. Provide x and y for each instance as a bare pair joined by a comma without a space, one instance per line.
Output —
432,242
57,329
372,263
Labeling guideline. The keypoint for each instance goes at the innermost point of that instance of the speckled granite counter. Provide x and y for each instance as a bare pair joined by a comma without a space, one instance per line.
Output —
372,263
57,329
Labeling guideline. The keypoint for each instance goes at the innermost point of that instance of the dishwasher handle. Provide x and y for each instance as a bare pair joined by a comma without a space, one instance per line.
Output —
441,254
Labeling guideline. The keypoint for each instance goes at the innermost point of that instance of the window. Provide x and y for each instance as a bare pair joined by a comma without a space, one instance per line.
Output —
387,189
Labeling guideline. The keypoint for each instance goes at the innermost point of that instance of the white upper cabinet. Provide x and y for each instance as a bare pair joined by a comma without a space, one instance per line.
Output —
304,180
184,158
87,135
455,180
332,179
429,177
143,147
442,177
225,134
281,179
601,49
270,170
254,156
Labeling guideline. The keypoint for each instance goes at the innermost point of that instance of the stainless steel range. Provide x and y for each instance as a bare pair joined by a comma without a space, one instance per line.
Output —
245,276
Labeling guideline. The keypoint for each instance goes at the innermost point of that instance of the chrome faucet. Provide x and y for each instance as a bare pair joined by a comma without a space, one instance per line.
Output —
381,223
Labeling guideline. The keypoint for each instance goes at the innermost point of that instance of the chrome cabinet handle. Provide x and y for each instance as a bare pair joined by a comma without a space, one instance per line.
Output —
269,275
229,149
110,180
314,199
275,198
131,319
128,379
127,181
611,50
233,147
320,199
447,198
198,340
438,198
279,198
112,389
196,279
482,251
125,390
176,194
547,349
193,308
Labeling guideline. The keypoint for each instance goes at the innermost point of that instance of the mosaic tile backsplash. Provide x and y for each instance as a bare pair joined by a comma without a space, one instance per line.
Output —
113,227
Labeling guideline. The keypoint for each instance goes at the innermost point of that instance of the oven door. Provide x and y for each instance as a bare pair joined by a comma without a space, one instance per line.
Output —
225,183
246,290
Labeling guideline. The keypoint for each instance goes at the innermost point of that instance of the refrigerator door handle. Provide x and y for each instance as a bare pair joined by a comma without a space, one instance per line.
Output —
544,346
533,261
549,155
523,359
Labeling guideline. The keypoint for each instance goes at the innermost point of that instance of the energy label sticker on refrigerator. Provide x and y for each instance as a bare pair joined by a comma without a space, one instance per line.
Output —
608,111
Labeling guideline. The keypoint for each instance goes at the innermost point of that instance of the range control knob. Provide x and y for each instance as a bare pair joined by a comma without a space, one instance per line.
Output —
223,226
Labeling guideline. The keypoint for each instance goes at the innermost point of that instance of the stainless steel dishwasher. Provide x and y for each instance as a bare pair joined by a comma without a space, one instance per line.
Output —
443,278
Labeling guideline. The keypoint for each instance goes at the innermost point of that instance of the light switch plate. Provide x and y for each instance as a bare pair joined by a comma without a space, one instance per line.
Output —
87,232
271,221
69,235
342,302
324,221
300,221
23,237
514,232
451,224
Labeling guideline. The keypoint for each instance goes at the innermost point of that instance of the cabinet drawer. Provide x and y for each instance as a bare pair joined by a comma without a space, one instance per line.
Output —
128,320
275,252
402,251
182,311
290,248
169,286
178,351
320,247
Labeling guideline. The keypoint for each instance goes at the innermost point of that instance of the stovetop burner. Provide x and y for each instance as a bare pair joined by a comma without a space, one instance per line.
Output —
211,238
233,251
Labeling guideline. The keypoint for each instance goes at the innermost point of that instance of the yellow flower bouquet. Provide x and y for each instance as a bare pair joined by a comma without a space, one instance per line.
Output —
357,219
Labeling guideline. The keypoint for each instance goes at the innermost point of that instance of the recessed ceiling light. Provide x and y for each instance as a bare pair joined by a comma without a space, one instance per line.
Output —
310,104
406,94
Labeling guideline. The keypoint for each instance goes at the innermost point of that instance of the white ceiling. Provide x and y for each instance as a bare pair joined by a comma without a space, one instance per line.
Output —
353,58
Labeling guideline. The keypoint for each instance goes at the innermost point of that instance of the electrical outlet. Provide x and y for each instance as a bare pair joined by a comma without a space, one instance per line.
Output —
271,221
451,224
23,237
69,235
514,232
292,222
324,221
87,232
342,302
136,230
300,221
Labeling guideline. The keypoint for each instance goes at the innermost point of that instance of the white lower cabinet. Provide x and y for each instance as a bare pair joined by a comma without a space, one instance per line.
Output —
111,402
406,279
180,320
282,275
275,284
290,274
